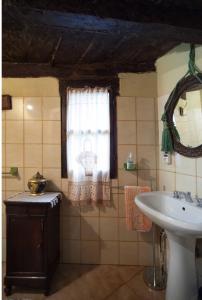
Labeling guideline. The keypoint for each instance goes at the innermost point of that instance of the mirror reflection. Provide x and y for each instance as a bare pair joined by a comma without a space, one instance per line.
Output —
188,118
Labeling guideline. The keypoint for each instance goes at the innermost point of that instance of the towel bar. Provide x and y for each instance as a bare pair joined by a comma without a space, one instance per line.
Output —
13,172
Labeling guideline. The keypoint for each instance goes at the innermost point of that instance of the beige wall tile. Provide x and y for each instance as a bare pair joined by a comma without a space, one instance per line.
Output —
90,211
109,229
199,166
16,113
110,211
126,108
51,156
127,177
123,152
161,103
145,254
32,108
146,133
121,206
3,149
14,132
199,187
90,228
186,183
145,236
166,181
54,179
69,210
33,155
109,252
64,185
185,165
126,132
146,157
33,132
163,165
51,108
145,109
129,253
90,252
3,132
126,235
51,132
14,155
15,183
71,251
148,178
71,228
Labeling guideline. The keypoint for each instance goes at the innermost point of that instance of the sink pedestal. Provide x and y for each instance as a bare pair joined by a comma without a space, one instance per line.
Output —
181,282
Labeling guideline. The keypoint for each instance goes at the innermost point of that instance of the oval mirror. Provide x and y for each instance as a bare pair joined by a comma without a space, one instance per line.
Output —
184,109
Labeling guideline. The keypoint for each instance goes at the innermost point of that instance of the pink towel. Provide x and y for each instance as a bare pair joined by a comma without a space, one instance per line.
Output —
135,220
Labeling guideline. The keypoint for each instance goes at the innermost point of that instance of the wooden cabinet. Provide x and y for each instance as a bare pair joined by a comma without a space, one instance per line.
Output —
32,240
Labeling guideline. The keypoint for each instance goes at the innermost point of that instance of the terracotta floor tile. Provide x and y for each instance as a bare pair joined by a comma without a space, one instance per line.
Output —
123,293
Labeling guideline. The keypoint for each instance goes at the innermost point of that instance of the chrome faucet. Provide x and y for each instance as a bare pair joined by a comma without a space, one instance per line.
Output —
182,195
199,201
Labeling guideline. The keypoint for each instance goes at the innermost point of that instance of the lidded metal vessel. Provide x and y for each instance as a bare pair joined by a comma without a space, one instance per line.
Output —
37,184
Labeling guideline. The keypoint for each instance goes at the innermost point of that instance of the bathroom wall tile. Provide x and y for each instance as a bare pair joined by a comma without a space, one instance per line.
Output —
3,116
186,183
16,113
90,252
121,206
109,229
89,228
32,108
3,184
145,236
126,108
90,211
109,252
14,132
185,165
163,165
148,178
161,103
51,132
126,235
71,228
110,211
199,187
51,108
69,210
33,132
71,251
123,152
29,173
3,149
127,178
146,157
3,132
145,108
146,133
54,179
51,156
15,183
129,253
167,181
14,155
64,185
126,132
199,166
33,155
159,132
145,254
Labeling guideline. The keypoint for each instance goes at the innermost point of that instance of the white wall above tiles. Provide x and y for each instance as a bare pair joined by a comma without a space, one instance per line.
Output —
31,141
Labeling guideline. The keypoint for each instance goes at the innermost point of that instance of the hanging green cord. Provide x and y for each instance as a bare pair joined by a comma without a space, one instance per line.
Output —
192,68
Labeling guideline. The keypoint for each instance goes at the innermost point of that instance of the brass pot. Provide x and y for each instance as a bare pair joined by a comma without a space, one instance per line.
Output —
37,184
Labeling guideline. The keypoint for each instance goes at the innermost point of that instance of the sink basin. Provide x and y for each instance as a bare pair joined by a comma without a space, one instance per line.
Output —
182,222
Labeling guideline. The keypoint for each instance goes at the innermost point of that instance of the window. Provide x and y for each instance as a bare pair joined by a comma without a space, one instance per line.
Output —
96,121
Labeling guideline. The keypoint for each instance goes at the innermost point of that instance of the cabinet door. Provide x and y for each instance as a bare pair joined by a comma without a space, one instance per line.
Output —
25,244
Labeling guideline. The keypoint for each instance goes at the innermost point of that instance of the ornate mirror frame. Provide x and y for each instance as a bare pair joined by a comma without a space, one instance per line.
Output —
185,84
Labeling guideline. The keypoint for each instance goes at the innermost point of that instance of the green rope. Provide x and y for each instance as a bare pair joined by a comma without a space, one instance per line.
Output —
167,143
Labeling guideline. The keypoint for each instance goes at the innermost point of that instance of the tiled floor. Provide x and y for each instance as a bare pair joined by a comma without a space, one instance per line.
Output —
92,282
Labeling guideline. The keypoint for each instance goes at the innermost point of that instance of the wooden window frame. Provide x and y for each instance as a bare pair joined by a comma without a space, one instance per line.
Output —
113,88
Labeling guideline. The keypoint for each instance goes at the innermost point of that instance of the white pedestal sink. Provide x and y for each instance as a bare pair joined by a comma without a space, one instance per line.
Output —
182,222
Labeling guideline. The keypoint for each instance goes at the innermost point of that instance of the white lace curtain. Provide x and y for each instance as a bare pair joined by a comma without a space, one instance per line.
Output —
88,145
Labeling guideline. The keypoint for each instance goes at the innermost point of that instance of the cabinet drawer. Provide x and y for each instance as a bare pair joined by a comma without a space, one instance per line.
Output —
26,210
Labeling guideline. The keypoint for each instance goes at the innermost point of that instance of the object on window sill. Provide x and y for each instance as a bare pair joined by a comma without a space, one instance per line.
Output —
13,172
133,167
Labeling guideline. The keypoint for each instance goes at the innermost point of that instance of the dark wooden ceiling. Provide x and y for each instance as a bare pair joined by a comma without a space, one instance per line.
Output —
94,38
